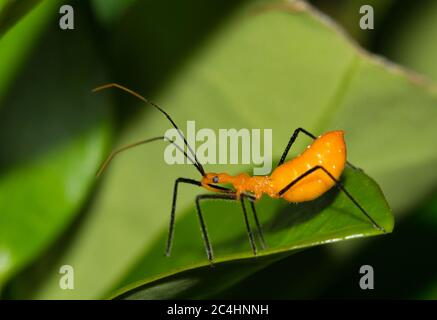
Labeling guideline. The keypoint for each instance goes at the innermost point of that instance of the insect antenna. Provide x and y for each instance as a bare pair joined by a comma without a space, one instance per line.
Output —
137,95
135,144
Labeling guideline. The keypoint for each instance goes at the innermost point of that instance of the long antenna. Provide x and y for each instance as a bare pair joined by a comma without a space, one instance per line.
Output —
137,95
135,144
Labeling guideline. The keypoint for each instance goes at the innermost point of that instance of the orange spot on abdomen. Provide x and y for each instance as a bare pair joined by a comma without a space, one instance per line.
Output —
328,151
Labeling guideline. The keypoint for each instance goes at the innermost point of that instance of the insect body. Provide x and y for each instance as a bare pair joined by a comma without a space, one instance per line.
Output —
327,151
304,178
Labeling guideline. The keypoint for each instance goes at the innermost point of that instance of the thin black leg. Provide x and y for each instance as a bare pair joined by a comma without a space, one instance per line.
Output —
248,228
252,200
206,240
354,167
173,210
290,143
223,196
309,134
258,225
339,186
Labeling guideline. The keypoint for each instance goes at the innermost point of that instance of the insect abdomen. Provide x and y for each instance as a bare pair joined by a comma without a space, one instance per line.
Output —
328,151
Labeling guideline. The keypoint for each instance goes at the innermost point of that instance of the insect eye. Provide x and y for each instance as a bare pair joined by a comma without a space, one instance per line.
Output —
215,179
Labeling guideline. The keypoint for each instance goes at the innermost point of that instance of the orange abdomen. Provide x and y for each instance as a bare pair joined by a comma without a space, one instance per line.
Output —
329,151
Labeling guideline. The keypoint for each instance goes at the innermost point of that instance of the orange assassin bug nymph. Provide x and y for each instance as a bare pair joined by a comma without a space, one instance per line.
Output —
304,178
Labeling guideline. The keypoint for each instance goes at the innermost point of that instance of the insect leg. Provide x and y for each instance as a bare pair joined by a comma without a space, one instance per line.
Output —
173,210
222,196
338,185
290,143
255,216
249,230
294,137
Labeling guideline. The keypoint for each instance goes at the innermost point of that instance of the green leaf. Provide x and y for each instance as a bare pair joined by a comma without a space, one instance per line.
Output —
280,68
405,35
17,38
347,14
401,278
408,39
332,272
54,134
12,11
412,42
289,228
109,11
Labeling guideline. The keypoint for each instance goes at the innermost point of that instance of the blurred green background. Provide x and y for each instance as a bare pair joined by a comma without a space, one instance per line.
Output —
242,64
